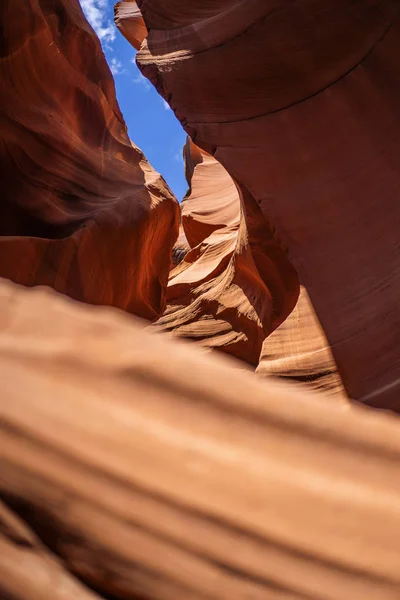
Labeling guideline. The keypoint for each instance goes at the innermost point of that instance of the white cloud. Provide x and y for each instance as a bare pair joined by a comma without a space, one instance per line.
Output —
96,12
140,80
178,156
166,105
116,66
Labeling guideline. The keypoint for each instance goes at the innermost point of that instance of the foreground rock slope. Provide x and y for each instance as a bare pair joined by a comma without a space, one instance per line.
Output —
81,209
149,470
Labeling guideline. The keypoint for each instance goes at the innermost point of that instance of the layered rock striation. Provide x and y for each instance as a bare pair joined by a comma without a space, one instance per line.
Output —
298,352
235,284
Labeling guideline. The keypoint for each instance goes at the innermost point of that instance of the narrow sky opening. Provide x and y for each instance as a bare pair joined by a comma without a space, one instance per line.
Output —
151,123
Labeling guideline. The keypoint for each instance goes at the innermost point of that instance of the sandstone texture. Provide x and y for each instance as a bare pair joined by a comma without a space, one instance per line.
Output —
128,18
81,209
299,352
29,570
148,469
299,102
134,466
235,284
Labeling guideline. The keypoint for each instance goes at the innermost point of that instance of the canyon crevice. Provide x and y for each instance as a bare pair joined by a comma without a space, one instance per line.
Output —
189,392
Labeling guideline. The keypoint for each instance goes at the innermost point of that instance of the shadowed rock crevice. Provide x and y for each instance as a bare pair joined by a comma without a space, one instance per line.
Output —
235,284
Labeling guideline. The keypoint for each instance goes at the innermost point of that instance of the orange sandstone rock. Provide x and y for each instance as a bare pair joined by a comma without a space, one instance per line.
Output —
130,22
299,102
235,284
298,351
81,209
152,470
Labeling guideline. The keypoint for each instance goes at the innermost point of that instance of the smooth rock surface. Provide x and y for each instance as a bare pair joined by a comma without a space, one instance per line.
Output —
154,470
299,102
298,352
129,20
81,209
29,570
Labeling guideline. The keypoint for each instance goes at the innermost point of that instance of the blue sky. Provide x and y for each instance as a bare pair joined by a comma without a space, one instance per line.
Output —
151,123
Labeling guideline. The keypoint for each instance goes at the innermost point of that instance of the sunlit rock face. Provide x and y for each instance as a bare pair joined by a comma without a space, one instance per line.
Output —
298,352
299,102
129,20
81,209
234,284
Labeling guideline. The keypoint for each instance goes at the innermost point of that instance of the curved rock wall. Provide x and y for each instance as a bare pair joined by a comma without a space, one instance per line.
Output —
299,102
81,209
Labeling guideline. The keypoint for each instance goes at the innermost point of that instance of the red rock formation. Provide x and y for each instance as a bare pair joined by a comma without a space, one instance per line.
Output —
130,22
81,209
235,285
299,101
298,351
